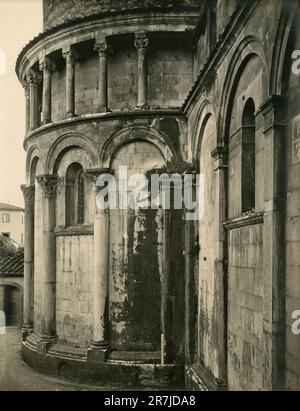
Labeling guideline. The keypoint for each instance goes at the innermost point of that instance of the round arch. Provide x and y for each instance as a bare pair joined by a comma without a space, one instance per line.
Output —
205,111
13,307
280,47
249,47
66,142
137,133
4,283
33,156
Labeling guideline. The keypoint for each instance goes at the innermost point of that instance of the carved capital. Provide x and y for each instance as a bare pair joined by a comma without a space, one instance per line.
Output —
70,55
219,154
33,78
47,65
28,193
141,42
93,173
48,184
103,48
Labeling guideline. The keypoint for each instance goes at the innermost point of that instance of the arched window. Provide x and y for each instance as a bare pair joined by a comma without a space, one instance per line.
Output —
248,157
80,198
74,195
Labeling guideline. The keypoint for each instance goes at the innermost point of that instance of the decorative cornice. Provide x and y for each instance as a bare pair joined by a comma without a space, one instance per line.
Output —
105,8
48,184
108,25
251,218
107,116
62,231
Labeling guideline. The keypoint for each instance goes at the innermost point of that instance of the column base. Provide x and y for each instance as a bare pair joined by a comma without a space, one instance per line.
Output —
44,122
26,331
98,352
58,361
70,115
45,343
104,109
142,107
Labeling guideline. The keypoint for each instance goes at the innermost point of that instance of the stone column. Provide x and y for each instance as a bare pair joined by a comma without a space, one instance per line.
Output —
48,185
100,343
70,56
103,50
165,277
141,44
33,80
191,250
220,264
47,67
163,222
27,107
273,112
29,196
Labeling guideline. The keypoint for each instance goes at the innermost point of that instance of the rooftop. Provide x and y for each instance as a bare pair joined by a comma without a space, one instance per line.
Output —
10,207
11,259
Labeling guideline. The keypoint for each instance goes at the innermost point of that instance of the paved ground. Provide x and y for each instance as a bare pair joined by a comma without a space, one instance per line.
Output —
15,375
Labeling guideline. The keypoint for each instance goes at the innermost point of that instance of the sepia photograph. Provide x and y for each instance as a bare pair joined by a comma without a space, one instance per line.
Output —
150,198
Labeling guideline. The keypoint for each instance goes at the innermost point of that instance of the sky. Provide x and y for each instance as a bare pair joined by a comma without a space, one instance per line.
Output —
20,21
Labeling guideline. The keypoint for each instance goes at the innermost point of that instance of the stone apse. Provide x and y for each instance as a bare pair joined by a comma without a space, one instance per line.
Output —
144,296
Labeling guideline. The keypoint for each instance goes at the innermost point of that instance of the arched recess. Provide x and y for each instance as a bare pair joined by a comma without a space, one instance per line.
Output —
247,81
205,111
32,159
249,47
138,133
74,252
11,297
72,154
210,288
280,46
139,309
65,143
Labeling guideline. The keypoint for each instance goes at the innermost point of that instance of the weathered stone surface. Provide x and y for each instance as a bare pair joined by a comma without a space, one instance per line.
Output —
177,91
56,13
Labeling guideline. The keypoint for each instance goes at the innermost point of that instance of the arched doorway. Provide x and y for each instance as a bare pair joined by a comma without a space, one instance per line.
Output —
11,304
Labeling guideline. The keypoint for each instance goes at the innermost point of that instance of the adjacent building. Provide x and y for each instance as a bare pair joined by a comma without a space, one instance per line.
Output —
12,223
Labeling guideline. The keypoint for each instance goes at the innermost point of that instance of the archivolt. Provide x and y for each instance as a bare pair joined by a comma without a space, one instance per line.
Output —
249,46
32,156
205,111
280,45
137,133
66,142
